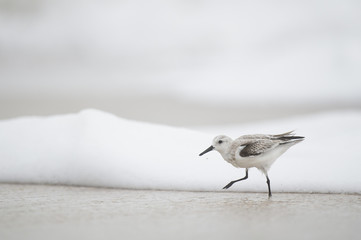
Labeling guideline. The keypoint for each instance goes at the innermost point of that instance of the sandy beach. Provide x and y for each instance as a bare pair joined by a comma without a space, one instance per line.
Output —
65,212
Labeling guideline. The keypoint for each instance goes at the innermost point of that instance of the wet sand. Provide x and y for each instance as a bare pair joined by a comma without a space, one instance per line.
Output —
64,212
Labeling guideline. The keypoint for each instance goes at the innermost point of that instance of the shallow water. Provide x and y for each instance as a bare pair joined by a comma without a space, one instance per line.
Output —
63,212
162,109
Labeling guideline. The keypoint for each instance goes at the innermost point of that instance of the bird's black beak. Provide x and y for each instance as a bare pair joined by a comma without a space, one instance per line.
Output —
207,150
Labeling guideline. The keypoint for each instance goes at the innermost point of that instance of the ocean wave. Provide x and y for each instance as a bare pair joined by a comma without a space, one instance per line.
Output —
95,148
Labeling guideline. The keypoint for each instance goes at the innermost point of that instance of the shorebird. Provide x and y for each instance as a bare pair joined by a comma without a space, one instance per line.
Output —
258,150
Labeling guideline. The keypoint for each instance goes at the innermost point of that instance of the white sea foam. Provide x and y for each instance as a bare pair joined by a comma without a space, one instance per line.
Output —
95,148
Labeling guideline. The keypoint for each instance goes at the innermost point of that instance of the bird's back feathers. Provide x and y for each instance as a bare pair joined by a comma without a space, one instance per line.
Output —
253,145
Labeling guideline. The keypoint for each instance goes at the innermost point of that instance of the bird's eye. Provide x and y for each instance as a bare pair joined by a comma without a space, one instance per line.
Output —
220,141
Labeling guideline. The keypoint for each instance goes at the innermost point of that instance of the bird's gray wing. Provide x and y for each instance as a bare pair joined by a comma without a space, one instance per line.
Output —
254,148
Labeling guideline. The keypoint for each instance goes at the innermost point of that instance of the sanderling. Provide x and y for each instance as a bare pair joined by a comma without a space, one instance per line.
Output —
258,150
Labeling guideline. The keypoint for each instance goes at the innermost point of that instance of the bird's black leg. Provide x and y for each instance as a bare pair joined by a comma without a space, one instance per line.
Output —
231,183
269,187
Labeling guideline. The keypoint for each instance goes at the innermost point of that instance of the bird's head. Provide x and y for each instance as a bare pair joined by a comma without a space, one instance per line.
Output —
220,144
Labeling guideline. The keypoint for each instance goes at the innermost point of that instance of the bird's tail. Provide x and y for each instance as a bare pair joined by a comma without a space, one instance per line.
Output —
290,133
288,137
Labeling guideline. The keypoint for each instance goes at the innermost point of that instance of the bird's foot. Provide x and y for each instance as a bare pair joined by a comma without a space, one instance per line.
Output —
228,185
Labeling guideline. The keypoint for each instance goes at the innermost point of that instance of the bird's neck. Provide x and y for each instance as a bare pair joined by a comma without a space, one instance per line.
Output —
226,154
